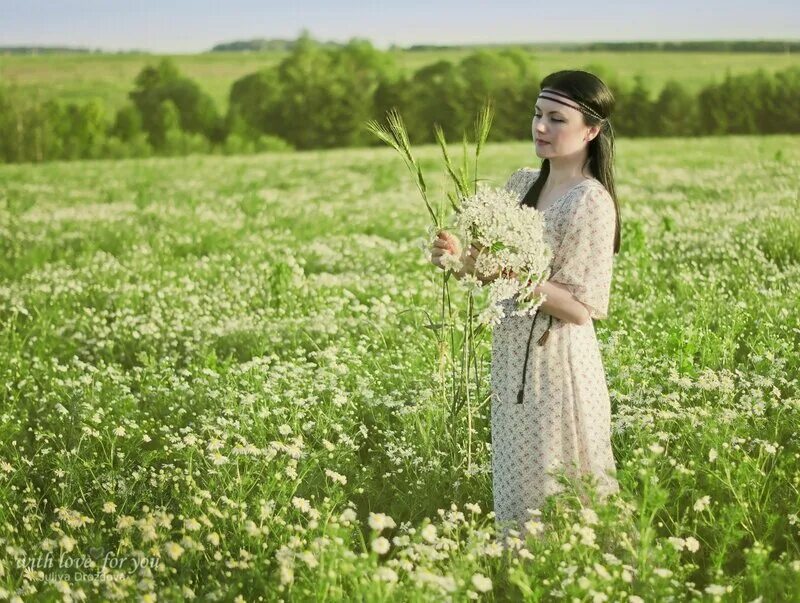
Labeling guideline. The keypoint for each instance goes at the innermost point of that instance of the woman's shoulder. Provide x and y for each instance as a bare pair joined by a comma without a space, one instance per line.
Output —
530,170
526,174
593,194
520,180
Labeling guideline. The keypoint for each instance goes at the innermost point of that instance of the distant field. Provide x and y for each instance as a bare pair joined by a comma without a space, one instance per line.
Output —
110,77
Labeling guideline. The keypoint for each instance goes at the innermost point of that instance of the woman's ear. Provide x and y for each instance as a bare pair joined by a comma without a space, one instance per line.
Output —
591,133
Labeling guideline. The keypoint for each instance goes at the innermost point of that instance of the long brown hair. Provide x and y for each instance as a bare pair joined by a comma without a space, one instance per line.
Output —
588,89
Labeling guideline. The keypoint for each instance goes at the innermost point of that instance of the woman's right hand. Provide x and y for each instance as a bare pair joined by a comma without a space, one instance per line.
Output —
444,243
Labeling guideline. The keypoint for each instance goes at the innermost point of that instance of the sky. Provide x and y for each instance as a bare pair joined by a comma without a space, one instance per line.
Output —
184,26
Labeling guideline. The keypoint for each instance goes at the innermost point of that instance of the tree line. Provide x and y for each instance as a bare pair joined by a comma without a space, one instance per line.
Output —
321,97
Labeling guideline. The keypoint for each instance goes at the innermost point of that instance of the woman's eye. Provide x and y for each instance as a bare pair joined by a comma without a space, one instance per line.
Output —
554,119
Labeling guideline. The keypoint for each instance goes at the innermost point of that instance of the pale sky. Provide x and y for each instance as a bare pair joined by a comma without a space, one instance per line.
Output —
193,26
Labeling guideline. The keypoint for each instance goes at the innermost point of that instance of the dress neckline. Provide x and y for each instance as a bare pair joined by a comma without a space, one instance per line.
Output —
566,193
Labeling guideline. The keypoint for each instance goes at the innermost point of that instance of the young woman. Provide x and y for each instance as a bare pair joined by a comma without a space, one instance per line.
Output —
551,411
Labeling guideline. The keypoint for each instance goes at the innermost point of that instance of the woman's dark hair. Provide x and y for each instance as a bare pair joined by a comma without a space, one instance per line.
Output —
588,89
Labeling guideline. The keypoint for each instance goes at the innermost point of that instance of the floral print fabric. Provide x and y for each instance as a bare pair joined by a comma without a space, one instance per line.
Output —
564,422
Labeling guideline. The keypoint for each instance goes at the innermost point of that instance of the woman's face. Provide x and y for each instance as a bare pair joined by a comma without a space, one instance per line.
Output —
558,130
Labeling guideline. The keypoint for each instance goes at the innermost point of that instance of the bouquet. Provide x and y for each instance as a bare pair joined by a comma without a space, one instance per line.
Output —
510,238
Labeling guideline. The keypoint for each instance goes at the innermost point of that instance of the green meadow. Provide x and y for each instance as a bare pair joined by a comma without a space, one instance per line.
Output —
79,77
218,381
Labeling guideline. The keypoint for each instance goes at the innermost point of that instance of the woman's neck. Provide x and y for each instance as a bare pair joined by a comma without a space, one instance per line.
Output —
566,171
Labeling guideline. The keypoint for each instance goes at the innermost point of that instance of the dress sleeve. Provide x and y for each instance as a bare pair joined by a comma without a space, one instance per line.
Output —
586,254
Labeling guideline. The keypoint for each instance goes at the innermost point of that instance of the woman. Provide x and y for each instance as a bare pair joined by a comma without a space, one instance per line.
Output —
551,410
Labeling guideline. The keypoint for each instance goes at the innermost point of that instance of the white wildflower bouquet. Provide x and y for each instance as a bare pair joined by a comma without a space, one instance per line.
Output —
510,237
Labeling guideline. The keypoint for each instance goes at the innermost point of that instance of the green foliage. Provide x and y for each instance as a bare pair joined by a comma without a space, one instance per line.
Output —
253,104
674,111
194,109
127,124
321,96
188,344
327,95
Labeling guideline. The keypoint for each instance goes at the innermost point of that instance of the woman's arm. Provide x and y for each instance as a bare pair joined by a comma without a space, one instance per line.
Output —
559,303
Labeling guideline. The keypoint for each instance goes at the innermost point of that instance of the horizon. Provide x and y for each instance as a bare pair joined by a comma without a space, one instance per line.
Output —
100,50
183,27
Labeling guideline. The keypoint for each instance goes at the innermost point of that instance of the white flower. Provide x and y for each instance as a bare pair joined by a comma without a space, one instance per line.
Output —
67,543
589,516
109,507
386,574
218,459
712,455
337,477
481,583
379,521
491,315
678,543
380,545
702,503
191,524
348,516
470,282
692,544
715,589
534,527
429,533
301,503
309,558
602,571
173,549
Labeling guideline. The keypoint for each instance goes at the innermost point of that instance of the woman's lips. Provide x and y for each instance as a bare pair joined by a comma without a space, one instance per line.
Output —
542,142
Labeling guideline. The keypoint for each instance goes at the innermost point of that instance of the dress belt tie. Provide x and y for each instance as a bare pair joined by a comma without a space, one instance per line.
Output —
541,341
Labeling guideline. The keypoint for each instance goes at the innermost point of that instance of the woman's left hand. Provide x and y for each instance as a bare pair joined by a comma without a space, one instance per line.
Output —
468,259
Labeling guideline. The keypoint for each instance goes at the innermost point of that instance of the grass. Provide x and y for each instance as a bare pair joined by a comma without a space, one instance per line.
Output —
217,381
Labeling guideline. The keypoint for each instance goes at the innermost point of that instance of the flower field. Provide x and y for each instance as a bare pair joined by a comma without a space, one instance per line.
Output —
218,382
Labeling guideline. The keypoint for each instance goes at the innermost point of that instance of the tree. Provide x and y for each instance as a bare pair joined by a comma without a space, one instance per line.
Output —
505,78
127,124
674,112
436,91
196,110
634,116
253,104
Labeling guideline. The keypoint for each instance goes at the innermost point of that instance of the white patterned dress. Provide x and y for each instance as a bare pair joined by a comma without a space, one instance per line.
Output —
564,420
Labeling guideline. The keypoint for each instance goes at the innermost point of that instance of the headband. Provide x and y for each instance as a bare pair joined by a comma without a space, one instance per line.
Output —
582,107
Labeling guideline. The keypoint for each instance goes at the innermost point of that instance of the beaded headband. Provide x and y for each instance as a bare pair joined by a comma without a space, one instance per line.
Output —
582,107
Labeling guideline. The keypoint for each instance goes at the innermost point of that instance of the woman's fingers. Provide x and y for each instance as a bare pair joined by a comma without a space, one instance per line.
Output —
447,245
445,236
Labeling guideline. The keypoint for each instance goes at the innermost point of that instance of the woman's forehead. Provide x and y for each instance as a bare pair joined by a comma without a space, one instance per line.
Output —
550,106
